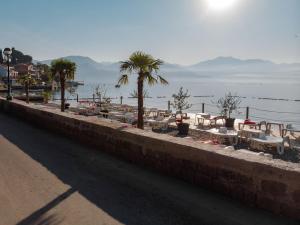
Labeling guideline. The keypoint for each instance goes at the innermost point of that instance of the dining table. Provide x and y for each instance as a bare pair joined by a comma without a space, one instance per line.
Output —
250,133
230,136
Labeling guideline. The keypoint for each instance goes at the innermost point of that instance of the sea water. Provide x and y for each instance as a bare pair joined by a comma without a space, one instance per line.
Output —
269,96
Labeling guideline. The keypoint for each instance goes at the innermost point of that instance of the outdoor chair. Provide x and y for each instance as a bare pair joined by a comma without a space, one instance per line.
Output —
265,142
289,128
130,117
270,125
213,121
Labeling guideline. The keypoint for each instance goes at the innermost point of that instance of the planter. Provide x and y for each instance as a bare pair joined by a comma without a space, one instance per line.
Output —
230,122
183,128
67,105
104,111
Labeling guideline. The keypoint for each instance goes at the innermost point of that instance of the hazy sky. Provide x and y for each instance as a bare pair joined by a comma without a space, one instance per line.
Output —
178,31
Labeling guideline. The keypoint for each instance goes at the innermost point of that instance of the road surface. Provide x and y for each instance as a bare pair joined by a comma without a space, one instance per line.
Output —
46,179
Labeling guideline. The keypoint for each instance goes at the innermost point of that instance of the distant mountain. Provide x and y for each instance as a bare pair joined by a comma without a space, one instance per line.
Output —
230,61
235,64
89,69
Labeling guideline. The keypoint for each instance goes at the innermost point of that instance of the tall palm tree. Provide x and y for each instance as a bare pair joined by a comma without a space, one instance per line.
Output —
27,81
146,68
65,69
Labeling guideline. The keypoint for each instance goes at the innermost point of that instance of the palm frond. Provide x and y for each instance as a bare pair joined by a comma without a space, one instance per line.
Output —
126,66
156,64
141,61
150,79
64,68
26,80
162,80
123,80
144,65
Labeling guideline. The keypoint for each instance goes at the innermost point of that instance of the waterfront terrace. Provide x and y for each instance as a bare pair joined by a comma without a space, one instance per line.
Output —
272,185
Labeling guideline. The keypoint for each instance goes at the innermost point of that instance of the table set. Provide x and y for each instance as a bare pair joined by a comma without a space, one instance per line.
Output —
250,133
224,136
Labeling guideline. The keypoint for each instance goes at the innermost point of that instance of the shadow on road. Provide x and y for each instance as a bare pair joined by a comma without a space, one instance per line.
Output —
96,176
39,218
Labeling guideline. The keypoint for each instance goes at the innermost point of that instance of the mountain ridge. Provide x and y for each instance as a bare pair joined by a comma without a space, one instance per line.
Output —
88,67
214,61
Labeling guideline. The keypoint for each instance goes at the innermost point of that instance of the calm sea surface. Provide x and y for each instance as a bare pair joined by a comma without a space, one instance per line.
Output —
253,88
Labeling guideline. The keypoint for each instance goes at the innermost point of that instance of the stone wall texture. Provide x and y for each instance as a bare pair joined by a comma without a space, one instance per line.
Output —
272,185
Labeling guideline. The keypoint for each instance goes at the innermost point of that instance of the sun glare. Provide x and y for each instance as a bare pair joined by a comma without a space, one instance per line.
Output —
220,5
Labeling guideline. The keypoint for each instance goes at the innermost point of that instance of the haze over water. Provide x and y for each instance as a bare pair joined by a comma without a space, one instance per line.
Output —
249,86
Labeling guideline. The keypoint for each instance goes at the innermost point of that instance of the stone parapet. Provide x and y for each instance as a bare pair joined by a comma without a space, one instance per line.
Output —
265,183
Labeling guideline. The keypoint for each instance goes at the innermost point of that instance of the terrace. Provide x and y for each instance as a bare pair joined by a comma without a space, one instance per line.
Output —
255,179
268,139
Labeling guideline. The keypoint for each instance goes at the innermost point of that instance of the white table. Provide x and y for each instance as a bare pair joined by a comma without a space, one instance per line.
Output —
116,116
158,124
250,133
230,136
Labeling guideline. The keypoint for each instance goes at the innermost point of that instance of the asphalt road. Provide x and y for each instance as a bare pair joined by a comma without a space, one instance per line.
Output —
46,179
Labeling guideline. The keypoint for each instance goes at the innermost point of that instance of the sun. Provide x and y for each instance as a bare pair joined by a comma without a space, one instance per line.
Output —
220,5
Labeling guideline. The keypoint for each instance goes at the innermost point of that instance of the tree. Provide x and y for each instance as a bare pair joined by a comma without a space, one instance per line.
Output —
180,100
47,96
45,72
19,57
27,81
228,104
101,93
65,70
146,69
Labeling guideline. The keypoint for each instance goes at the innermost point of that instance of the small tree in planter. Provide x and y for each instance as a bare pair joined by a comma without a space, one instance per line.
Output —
228,105
101,93
180,103
27,81
180,100
47,96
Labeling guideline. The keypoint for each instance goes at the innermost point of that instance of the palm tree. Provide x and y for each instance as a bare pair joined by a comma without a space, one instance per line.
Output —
145,66
65,69
27,81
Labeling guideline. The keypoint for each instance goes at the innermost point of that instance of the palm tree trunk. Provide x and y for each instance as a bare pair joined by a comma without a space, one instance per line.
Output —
62,93
140,124
27,92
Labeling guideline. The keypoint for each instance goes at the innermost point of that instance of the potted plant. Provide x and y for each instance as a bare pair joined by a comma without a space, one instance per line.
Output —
101,94
228,105
180,103
47,96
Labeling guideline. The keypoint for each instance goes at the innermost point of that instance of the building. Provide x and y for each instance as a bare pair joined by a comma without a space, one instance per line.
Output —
3,72
24,69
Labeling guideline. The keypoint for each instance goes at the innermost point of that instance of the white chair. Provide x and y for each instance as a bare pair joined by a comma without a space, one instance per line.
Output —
263,142
160,123
130,117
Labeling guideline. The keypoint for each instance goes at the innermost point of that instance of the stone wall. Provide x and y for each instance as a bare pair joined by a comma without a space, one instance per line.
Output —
273,185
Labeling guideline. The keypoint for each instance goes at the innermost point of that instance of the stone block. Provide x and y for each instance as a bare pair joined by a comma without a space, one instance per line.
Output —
273,188
296,197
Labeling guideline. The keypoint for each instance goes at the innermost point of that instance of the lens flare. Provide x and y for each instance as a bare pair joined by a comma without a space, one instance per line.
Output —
220,5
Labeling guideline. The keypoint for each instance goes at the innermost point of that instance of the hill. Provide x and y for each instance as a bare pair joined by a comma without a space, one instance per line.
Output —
89,69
